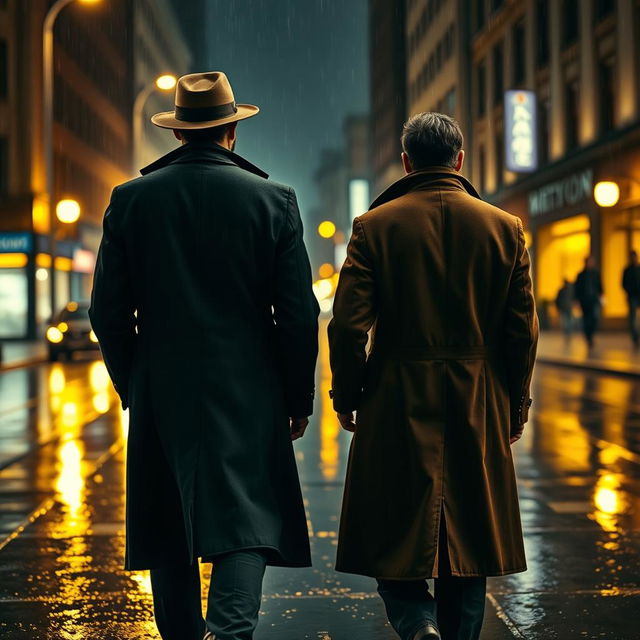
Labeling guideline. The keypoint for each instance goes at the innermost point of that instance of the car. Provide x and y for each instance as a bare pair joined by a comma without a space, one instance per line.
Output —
71,331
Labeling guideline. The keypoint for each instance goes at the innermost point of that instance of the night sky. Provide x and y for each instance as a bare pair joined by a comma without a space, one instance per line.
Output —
305,64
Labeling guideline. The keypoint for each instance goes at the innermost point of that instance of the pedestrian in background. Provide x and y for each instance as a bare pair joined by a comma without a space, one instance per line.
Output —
564,304
442,394
588,292
203,306
631,285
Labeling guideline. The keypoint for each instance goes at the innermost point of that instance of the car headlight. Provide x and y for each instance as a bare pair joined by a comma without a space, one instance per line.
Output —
92,336
54,335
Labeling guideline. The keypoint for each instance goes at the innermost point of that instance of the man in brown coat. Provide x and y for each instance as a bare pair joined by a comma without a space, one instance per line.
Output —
443,280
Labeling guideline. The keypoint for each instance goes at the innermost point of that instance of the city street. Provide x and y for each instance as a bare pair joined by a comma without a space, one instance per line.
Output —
61,517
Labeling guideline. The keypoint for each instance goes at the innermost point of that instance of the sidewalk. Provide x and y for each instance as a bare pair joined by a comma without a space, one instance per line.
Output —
612,353
22,354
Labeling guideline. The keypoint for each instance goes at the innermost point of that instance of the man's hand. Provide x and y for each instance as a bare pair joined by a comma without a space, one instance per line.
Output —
516,433
347,421
297,427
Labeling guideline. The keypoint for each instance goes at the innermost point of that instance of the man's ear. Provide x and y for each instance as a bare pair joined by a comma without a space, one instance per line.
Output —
406,163
459,160
178,135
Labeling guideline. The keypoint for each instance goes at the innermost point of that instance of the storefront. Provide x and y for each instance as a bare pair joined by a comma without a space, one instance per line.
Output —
25,269
565,225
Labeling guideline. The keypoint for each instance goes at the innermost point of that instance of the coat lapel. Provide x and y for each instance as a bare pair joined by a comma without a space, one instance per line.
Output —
194,153
421,180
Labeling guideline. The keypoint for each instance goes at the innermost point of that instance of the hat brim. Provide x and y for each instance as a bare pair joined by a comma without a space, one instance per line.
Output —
168,120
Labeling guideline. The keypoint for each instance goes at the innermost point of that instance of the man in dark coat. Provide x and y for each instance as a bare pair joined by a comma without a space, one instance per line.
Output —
443,280
631,285
203,306
588,292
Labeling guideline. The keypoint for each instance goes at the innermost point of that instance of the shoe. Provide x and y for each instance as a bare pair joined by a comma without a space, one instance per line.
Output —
428,632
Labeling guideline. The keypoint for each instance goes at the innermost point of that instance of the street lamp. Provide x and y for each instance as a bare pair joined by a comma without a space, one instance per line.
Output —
327,229
606,193
47,124
164,82
68,211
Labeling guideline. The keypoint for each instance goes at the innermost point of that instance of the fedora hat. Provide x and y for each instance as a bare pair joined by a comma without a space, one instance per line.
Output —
203,100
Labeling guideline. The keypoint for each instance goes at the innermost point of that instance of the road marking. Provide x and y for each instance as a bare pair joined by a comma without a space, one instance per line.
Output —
502,615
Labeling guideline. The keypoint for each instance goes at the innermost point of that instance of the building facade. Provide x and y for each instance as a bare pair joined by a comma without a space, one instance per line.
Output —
343,183
158,48
91,150
581,62
437,65
387,68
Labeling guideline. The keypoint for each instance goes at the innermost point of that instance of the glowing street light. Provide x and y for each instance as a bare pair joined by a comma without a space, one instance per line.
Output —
166,82
68,210
606,193
327,229
47,122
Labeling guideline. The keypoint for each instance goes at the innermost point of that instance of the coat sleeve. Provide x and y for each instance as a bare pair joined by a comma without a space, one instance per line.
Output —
521,335
354,312
112,310
295,313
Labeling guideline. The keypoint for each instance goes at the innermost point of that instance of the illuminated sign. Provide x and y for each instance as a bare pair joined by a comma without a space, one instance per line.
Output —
358,197
568,192
15,242
521,147
83,261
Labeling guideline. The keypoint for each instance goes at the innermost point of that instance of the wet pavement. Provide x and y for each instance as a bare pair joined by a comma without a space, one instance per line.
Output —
62,438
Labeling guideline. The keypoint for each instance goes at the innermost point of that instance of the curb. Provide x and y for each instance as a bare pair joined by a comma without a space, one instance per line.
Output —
588,366
21,364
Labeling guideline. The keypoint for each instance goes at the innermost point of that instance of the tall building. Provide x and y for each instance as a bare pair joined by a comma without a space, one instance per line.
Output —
159,48
343,182
438,74
387,68
581,62
92,149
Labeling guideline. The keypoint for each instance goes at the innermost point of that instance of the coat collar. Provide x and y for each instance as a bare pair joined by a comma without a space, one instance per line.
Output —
196,152
431,178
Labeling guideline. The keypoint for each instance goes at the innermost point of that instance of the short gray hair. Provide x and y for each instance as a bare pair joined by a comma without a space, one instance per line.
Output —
430,139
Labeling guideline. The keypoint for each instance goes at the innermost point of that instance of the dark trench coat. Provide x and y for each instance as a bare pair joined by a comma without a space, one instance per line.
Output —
203,307
443,279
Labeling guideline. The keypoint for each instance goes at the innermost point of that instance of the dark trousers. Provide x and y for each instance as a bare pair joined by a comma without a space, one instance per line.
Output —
590,313
233,600
633,324
456,608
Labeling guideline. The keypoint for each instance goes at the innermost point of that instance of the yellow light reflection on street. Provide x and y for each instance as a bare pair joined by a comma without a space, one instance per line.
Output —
609,500
57,379
101,402
98,376
70,483
329,426
70,415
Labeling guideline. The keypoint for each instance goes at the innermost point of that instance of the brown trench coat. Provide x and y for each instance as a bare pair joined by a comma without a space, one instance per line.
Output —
443,278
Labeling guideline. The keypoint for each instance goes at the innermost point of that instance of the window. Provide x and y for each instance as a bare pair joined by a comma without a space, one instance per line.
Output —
498,73
542,31
479,14
604,8
4,69
570,22
544,134
499,159
482,89
450,102
607,93
481,168
4,165
572,115
519,53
